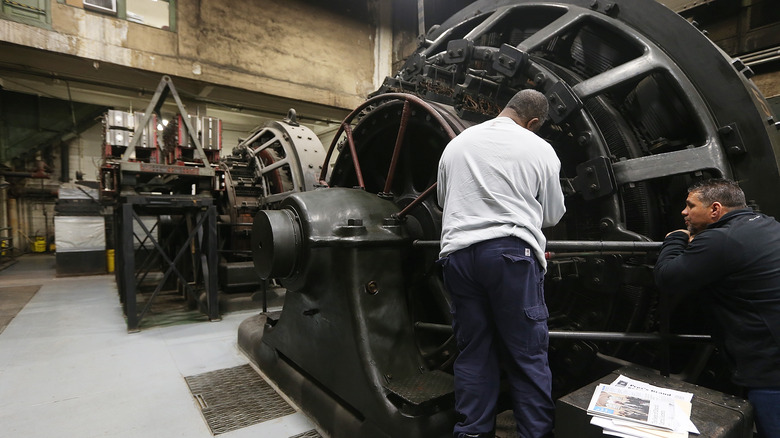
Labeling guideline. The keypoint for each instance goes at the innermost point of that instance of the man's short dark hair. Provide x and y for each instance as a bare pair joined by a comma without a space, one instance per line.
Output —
722,190
529,104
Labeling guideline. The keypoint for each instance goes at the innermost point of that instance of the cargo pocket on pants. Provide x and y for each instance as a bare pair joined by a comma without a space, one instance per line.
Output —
538,335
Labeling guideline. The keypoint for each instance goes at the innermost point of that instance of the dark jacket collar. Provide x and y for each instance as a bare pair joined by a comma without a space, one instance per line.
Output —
729,216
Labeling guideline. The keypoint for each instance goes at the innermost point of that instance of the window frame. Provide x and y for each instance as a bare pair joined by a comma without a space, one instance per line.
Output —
121,12
9,10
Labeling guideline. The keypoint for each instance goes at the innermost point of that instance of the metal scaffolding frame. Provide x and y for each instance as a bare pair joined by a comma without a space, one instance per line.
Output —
199,213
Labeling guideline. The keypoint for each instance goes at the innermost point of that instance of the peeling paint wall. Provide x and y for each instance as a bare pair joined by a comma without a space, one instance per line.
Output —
287,41
289,48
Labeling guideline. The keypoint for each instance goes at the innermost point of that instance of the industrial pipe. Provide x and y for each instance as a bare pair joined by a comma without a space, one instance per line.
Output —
592,335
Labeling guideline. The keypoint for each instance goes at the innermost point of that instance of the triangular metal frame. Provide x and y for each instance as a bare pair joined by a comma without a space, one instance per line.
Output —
163,90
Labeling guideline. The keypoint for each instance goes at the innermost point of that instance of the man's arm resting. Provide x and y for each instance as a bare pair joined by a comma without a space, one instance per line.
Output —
684,266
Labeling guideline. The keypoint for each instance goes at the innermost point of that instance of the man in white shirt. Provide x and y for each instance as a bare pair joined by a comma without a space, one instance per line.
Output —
499,185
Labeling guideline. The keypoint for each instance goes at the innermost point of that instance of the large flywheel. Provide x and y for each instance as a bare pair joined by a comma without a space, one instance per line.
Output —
393,151
637,113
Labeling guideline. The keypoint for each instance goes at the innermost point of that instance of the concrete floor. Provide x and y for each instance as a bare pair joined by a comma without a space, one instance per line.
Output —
68,367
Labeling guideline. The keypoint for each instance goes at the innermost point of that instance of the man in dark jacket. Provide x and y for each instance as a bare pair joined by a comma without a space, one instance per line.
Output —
732,254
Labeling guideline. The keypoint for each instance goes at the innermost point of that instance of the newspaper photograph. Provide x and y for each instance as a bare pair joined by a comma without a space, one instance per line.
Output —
629,383
634,405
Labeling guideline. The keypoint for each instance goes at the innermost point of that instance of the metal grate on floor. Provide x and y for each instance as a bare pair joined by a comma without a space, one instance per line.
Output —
310,434
421,388
237,397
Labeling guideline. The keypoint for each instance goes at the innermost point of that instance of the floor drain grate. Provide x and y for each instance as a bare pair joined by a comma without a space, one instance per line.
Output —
236,397
310,434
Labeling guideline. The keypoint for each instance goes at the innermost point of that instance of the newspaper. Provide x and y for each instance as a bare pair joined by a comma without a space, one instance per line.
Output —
633,405
628,429
684,417
630,383
632,408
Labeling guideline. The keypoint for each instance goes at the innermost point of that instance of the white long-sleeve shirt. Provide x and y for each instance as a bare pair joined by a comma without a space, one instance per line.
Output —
498,179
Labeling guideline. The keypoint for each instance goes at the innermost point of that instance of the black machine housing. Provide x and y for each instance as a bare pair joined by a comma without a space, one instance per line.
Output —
642,104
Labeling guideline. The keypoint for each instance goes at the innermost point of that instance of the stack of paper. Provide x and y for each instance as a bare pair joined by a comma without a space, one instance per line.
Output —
631,408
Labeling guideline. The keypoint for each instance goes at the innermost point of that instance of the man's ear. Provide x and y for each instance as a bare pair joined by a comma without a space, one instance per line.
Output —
533,125
716,210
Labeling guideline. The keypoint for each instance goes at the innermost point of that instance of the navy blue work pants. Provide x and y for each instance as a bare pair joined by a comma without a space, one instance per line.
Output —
766,409
499,318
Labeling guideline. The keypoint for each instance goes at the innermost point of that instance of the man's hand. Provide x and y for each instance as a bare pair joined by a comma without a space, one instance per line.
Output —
684,231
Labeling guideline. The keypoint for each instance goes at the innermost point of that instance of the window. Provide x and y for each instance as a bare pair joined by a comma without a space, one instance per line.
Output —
155,13
35,12
108,6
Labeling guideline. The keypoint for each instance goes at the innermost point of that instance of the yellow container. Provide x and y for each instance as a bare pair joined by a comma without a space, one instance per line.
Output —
110,260
39,245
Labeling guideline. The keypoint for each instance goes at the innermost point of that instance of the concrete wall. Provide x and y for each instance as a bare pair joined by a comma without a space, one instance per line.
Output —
85,155
288,48
768,83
